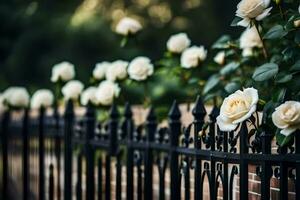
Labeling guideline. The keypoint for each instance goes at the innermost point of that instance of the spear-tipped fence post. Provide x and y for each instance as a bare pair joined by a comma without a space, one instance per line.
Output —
129,133
25,155
175,129
4,143
68,133
199,113
266,139
113,130
90,152
151,129
42,154
244,150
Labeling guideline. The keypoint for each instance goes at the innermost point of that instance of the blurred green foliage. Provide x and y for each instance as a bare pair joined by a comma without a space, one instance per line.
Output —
35,35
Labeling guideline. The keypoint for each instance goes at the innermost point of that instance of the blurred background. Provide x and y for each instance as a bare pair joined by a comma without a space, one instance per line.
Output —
35,35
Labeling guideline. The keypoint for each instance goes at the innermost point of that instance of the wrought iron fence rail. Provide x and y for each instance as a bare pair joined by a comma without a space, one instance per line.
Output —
220,156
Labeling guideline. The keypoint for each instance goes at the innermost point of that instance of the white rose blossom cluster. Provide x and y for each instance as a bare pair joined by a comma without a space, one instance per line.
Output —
42,98
193,57
72,90
237,108
63,71
89,96
287,117
252,10
117,70
249,40
140,68
16,97
100,70
128,26
178,43
106,92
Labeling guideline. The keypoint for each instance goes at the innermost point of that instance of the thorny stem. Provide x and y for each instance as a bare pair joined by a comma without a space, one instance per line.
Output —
262,41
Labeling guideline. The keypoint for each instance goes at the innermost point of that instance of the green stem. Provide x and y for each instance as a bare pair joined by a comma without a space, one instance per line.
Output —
262,41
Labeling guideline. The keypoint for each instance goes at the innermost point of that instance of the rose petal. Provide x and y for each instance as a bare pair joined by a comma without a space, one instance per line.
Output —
276,120
224,124
253,93
264,14
247,116
267,2
245,22
287,131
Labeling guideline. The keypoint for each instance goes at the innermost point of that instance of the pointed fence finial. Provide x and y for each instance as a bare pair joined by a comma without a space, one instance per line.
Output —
151,115
127,111
174,111
214,114
199,110
114,113
69,108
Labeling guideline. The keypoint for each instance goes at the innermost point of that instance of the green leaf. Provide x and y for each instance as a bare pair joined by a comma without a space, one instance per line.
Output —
283,140
232,87
278,96
295,67
283,78
222,42
297,37
265,72
211,83
275,32
235,21
230,67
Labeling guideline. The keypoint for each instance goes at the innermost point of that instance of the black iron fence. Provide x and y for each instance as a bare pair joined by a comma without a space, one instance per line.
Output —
80,158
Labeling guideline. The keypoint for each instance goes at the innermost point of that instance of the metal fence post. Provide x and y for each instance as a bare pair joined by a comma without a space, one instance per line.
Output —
175,130
266,172
212,135
199,113
148,181
25,155
113,130
297,151
90,152
129,165
4,141
243,161
68,132
41,154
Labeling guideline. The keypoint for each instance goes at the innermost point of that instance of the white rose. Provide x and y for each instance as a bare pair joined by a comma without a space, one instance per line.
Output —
100,70
42,98
127,26
249,40
117,70
220,58
3,107
63,71
89,96
236,108
72,90
177,43
16,97
252,9
297,23
193,56
287,117
140,68
106,92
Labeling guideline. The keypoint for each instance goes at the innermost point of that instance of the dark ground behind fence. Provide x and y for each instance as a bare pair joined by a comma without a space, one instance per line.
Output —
76,157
